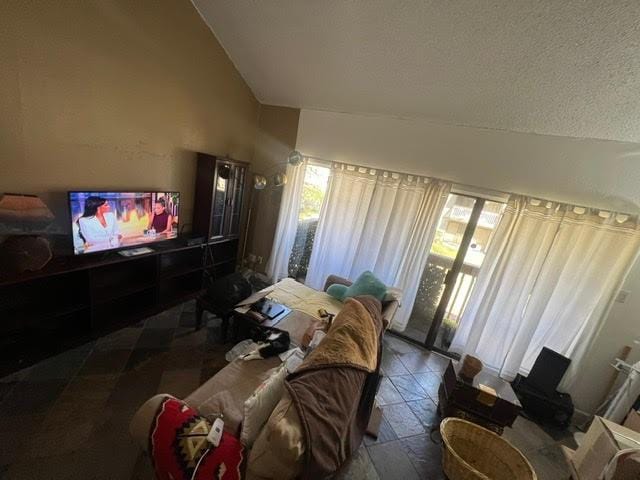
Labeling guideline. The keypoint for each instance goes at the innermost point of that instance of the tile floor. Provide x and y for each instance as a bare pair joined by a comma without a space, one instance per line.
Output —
67,417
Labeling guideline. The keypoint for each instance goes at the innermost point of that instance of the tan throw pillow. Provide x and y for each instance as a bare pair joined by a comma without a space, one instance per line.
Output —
278,452
258,407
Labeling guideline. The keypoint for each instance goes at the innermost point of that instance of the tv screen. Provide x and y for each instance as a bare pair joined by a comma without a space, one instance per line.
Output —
111,220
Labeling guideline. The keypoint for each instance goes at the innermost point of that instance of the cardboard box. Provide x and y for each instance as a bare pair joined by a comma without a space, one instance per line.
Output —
633,421
599,445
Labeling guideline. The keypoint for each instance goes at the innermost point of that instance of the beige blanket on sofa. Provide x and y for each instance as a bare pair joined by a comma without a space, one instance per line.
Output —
352,339
305,299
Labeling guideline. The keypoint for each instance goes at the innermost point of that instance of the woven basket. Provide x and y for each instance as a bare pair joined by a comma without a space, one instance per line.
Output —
471,452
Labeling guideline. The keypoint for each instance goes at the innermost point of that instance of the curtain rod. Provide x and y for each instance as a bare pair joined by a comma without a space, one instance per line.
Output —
490,194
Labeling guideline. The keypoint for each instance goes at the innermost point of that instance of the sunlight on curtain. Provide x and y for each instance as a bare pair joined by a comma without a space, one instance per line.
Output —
378,221
549,279
278,263
341,224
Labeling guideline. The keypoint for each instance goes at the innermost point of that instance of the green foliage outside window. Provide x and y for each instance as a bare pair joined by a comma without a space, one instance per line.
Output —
439,247
311,203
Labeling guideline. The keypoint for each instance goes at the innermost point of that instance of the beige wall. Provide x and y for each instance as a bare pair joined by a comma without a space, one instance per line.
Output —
115,94
277,132
621,328
598,173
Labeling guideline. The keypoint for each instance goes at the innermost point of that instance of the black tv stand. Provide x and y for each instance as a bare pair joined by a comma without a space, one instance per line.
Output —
76,298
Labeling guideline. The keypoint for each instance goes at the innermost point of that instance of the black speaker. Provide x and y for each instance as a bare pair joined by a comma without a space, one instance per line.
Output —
538,392
547,371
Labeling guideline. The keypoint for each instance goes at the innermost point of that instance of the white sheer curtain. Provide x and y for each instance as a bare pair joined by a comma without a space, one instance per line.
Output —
379,221
278,263
341,222
548,280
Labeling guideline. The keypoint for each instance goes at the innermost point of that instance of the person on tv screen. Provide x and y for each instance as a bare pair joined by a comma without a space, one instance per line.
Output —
98,225
161,220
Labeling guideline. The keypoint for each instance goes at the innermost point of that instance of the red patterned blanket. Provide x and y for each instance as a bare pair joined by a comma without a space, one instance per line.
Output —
180,450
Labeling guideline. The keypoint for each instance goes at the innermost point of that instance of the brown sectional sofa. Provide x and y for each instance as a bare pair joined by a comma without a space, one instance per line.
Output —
274,455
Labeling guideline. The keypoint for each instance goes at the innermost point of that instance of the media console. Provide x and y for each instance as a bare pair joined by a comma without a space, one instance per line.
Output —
76,298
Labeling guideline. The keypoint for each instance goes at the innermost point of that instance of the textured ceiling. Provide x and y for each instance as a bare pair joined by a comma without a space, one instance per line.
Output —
560,67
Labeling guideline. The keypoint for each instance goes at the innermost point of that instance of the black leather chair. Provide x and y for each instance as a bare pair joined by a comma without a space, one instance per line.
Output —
220,297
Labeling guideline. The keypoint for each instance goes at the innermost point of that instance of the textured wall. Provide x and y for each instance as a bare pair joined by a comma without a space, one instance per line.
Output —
115,94
600,173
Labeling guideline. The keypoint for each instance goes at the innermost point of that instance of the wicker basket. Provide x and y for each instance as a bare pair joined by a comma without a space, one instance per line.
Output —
471,452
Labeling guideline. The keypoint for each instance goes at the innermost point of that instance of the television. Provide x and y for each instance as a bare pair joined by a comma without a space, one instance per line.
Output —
114,220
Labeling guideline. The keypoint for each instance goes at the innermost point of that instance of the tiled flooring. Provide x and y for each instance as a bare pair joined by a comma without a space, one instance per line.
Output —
408,396
67,417
417,328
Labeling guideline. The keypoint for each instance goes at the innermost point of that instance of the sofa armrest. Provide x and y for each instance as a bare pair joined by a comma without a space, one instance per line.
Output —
388,312
331,279
140,426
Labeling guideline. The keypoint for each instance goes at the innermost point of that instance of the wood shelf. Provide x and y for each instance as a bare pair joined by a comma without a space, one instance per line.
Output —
124,291
181,272
74,298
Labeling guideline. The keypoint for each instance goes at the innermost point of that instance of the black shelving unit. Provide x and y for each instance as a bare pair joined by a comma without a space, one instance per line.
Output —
74,299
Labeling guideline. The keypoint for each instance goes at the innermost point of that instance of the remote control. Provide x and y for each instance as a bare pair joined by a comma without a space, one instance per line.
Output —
215,435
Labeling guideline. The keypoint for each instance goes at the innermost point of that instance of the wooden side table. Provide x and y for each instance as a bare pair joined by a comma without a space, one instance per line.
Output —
494,407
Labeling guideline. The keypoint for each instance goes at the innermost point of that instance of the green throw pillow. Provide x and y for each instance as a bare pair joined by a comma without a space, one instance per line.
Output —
337,291
365,284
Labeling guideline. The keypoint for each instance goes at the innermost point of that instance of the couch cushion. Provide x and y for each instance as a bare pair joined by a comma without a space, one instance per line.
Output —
228,389
297,296
140,426
259,406
278,452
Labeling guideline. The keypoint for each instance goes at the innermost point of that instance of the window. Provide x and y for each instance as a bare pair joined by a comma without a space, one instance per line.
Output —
464,233
316,179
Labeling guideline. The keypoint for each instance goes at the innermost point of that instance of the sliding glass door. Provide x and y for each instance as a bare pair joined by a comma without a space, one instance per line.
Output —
464,233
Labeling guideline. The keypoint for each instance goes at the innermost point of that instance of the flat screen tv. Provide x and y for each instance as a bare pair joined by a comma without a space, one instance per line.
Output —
113,220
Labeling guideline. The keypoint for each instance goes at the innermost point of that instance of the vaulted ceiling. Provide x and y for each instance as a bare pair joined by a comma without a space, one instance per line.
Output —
560,67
